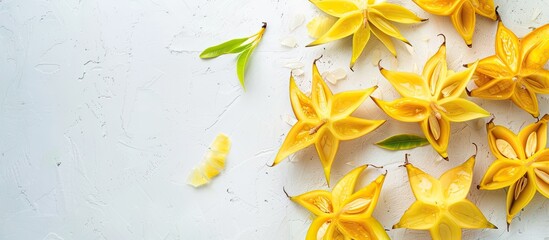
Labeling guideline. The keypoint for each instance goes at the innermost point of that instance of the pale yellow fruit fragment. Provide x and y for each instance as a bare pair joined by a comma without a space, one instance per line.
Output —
213,162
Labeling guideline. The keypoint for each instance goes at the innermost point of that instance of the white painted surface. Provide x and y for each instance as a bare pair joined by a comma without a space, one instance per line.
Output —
105,107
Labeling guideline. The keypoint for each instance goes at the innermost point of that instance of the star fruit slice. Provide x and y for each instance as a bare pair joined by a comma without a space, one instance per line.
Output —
432,99
362,18
324,119
522,164
441,205
516,70
344,213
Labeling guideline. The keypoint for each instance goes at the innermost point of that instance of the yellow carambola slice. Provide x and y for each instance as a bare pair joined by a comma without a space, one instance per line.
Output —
359,19
213,162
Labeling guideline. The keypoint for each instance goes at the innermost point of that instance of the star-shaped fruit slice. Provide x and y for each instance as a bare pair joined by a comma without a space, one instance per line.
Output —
462,12
361,18
522,164
441,205
324,120
516,71
343,213
432,99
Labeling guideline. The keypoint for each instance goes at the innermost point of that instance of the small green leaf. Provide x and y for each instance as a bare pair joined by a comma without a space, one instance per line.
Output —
231,46
402,142
241,48
244,46
241,64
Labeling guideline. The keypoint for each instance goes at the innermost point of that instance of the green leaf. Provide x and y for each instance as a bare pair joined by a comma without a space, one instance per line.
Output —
231,46
402,142
242,62
244,46
241,48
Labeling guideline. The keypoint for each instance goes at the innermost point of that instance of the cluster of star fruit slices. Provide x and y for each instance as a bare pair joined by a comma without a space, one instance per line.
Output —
441,206
433,99
323,119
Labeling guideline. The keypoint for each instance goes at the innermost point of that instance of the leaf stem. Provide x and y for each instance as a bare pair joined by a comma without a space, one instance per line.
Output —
283,189
374,166
476,149
406,162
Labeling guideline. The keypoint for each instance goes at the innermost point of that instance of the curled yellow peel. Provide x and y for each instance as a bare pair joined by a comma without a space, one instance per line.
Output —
523,174
213,162
433,99
344,213
358,18
462,13
441,205
323,120
516,71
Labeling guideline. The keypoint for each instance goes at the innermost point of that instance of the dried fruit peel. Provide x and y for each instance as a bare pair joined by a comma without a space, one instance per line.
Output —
441,205
433,99
213,162
360,19
522,164
344,213
461,12
516,70
323,120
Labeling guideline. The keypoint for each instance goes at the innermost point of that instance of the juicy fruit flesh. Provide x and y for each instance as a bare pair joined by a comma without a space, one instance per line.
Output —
213,162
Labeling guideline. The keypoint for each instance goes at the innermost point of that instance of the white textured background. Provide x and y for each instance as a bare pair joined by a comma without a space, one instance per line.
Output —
105,107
